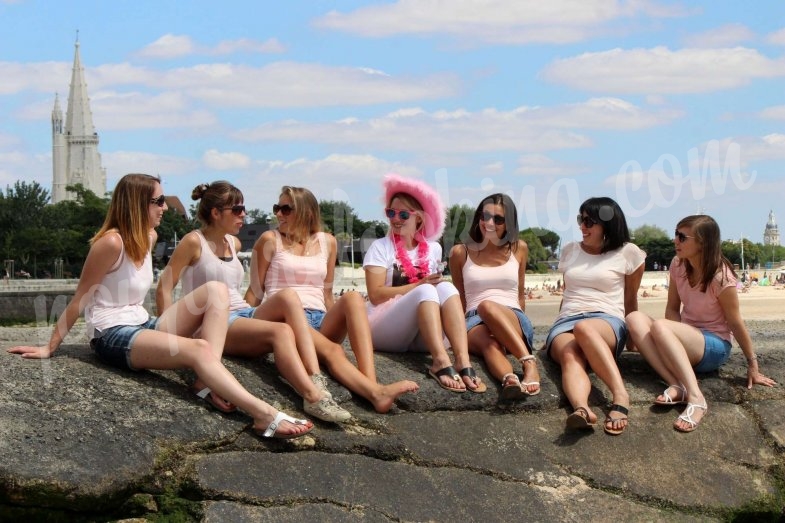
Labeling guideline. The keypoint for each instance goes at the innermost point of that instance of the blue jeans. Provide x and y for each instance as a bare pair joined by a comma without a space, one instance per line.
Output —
473,319
716,352
247,312
113,345
568,325
315,317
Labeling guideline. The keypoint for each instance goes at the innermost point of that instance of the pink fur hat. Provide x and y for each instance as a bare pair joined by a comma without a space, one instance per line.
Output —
433,208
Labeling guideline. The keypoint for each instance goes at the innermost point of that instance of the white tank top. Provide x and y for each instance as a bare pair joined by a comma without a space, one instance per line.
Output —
210,267
119,299
498,284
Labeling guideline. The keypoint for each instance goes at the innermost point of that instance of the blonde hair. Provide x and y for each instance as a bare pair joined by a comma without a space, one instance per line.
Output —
216,195
307,216
128,213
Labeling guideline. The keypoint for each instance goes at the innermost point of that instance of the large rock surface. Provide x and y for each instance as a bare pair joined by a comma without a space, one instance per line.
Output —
82,441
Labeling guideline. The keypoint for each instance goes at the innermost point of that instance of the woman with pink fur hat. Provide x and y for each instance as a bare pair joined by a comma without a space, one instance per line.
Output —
412,307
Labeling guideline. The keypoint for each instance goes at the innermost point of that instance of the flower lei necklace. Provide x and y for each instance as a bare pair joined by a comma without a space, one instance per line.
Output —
406,263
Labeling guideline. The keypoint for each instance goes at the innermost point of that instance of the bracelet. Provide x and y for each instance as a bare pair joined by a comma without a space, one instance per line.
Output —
753,358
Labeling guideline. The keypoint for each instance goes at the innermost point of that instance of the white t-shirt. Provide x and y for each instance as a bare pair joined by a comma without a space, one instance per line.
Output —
595,282
382,254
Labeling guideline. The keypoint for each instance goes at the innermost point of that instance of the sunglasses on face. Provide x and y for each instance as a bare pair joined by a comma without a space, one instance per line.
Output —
498,219
586,221
160,201
237,210
681,236
403,215
286,210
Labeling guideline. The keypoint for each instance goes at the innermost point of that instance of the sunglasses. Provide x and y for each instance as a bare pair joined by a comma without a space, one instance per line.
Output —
498,219
403,215
237,210
586,221
681,236
286,210
160,201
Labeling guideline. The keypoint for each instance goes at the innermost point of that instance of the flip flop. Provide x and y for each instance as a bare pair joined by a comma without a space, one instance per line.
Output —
272,428
579,420
469,372
447,371
608,419
207,395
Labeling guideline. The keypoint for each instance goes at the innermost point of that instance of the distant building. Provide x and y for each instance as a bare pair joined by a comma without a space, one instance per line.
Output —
75,157
771,236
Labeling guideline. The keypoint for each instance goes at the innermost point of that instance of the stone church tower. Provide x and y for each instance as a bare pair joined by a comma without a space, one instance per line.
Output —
75,157
771,236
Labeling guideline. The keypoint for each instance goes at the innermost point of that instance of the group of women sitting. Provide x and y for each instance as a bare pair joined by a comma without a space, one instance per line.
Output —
290,308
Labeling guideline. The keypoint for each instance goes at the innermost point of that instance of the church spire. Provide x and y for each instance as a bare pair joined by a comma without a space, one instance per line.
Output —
79,118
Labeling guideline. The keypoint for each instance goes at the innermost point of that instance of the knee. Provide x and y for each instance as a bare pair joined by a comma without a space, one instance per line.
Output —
659,329
218,293
199,351
485,308
330,351
354,300
282,334
636,323
582,331
425,293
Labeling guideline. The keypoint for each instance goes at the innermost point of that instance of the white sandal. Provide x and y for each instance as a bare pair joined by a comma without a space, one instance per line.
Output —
687,416
511,388
670,401
526,384
270,432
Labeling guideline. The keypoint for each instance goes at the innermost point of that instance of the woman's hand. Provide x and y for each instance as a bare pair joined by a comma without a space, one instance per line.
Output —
37,353
754,377
433,279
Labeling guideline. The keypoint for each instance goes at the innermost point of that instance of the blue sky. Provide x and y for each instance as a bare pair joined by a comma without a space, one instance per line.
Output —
669,107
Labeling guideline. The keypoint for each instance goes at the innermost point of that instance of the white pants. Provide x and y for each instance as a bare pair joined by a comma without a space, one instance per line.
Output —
395,324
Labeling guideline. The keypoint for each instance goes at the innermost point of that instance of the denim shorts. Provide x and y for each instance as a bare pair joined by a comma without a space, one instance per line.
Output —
473,319
315,317
716,352
246,312
113,345
568,325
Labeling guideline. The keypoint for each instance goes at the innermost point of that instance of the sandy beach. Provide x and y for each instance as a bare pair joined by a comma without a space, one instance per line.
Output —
760,303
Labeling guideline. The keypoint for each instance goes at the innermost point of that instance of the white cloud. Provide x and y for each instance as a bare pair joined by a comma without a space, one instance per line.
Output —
119,163
168,46
532,129
728,35
662,71
219,161
176,46
776,112
777,37
495,21
540,164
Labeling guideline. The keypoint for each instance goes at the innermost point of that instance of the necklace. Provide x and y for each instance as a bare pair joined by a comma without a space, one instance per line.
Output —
406,264
305,244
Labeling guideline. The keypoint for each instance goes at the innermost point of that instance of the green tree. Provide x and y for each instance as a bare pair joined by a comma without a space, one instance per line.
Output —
538,254
456,230
173,223
649,232
258,217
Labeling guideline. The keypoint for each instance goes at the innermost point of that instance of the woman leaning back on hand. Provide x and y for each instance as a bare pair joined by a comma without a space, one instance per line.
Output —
701,318
115,279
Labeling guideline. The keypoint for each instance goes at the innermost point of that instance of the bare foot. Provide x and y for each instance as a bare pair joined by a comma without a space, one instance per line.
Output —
384,397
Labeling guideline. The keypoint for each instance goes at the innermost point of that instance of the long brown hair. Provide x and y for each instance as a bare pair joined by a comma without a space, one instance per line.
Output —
307,216
706,232
128,213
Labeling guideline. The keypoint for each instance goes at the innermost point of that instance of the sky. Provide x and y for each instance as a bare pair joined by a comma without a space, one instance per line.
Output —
671,108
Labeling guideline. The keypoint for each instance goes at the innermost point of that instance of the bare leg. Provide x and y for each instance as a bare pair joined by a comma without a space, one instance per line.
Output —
381,396
575,380
430,326
251,338
285,306
483,344
505,327
349,314
597,341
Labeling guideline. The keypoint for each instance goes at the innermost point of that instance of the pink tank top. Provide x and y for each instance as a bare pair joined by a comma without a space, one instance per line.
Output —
210,267
303,274
498,284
